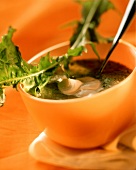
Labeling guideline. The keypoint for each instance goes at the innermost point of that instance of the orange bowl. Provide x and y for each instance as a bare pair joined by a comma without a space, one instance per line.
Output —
91,121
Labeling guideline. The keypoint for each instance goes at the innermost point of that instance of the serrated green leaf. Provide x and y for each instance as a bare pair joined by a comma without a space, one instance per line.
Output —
75,52
14,70
87,7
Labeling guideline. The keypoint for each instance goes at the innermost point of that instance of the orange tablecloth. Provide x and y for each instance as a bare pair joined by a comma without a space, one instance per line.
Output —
37,23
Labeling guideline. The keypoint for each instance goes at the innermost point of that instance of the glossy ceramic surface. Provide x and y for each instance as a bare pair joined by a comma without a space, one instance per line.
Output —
90,121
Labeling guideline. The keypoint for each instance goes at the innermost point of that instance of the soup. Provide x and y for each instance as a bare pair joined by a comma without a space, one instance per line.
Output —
112,74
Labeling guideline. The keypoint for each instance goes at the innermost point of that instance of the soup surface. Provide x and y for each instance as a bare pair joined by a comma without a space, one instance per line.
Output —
111,75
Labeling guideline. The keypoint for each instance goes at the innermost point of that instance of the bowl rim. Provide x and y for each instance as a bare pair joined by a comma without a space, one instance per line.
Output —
20,88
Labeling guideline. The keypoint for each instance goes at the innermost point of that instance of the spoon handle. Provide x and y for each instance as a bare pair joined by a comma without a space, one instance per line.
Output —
128,15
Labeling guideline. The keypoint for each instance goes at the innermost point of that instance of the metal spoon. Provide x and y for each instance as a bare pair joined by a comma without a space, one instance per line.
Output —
79,87
128,15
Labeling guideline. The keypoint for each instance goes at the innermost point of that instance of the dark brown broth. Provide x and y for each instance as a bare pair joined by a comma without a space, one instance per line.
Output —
111,75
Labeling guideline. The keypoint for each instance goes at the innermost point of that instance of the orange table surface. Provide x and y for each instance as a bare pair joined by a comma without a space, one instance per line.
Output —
17,131
37,23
